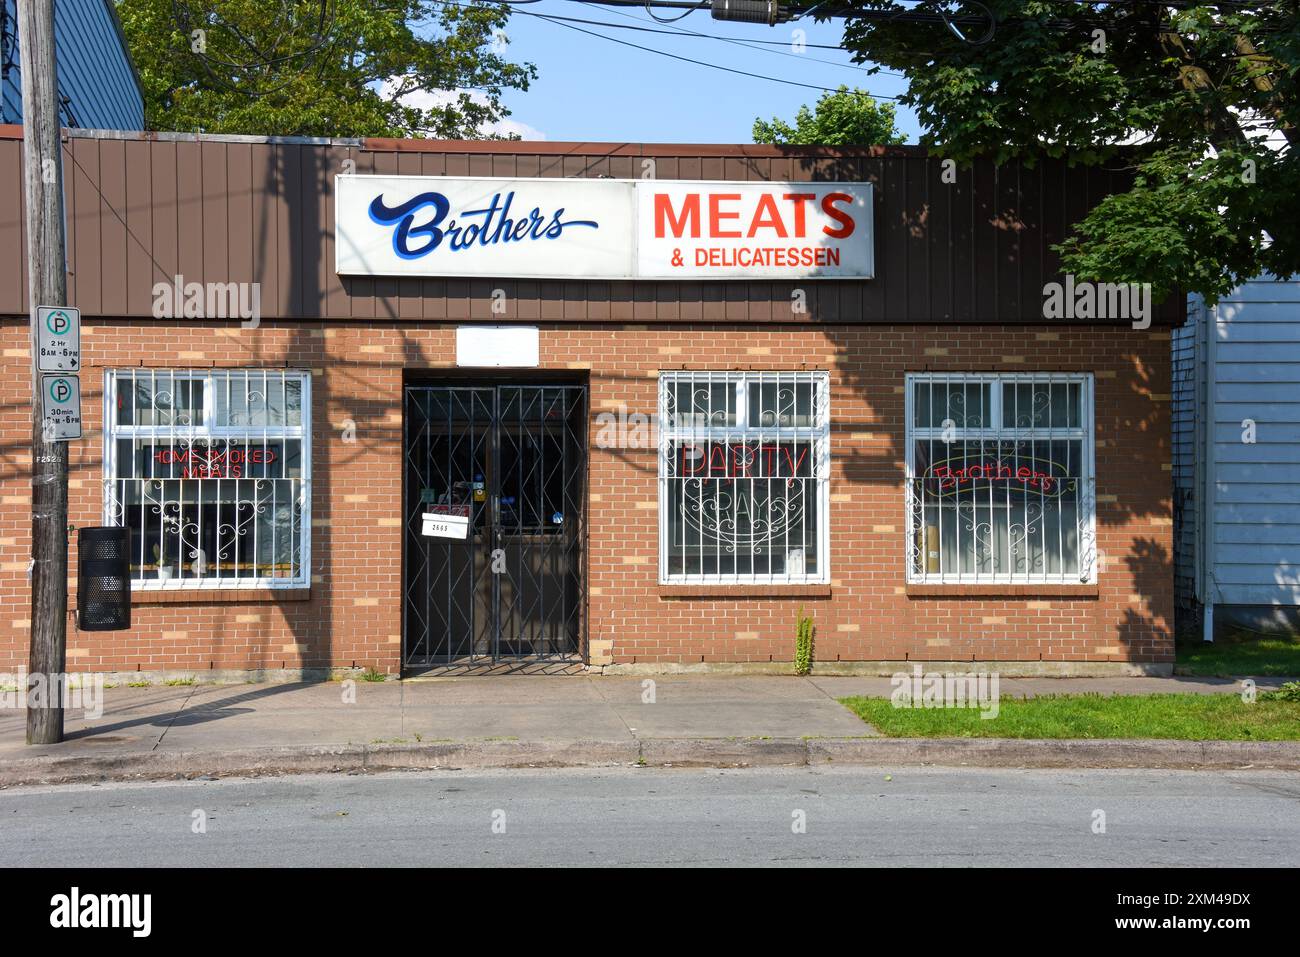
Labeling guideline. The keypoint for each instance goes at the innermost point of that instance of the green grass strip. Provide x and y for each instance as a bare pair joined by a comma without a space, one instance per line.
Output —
1269,657
1187,717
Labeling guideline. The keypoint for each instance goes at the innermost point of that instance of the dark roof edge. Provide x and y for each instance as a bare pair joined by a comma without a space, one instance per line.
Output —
536,147
555,148
14,131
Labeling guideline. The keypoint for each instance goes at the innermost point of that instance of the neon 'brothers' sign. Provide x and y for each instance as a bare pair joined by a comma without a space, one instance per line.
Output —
953,478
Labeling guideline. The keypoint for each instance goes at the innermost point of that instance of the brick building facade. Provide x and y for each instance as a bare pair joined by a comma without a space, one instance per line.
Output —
957,293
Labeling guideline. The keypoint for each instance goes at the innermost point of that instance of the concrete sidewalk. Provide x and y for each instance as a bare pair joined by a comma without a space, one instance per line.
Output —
501,719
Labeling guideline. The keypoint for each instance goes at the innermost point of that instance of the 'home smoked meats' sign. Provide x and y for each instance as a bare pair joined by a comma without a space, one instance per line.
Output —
601,228
219,461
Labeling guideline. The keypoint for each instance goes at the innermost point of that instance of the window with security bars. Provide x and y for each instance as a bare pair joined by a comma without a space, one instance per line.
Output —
743,466
1000,484
211,469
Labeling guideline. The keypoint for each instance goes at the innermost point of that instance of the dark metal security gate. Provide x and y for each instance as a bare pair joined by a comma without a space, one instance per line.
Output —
498,473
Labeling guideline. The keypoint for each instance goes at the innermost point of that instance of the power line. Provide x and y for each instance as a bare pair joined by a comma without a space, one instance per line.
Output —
568,23
712,66
752,44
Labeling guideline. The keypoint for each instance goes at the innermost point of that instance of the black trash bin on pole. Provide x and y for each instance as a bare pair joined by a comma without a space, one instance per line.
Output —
104,578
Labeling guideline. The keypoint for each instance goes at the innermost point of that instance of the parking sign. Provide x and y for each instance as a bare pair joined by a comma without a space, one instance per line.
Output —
61,407
58,339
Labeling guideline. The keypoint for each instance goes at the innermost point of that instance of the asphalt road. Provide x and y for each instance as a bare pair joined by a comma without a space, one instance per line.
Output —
630,816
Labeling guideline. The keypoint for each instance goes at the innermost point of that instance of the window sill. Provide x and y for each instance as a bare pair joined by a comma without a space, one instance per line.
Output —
991,590
745,590
216,596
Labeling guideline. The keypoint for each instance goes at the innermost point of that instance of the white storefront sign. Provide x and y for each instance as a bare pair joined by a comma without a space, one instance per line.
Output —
601,228
516,347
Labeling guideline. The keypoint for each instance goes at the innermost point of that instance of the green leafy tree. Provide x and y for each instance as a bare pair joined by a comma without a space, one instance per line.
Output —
843,118
1197,101
322,67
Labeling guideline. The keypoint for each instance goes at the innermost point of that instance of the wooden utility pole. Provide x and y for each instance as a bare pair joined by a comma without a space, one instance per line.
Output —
46,286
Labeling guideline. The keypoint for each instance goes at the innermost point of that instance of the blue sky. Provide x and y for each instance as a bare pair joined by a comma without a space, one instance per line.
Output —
593,89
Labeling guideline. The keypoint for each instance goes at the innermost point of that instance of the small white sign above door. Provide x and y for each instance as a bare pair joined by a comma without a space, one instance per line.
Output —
516,347
445,526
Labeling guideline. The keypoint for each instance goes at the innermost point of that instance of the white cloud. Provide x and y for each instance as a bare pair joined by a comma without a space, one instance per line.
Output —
429,99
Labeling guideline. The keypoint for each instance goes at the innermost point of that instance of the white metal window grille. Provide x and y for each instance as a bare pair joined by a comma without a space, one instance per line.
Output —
1000,483
211,469
743,467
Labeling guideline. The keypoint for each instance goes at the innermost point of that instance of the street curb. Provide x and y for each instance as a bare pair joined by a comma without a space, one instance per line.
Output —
654,752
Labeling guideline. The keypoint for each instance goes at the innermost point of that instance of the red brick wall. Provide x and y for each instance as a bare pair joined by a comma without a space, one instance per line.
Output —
353,614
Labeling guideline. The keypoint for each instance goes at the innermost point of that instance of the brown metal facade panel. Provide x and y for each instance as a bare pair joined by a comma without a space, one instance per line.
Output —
112,228
83,204
1030,258
13,236
213,222
337,302
189,212
164,217
141,274
213,210
264,225
239,210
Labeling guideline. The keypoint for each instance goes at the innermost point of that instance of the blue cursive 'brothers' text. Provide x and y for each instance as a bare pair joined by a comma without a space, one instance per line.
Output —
486,227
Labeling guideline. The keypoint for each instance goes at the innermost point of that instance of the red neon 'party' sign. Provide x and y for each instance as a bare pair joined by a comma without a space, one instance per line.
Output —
742,460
